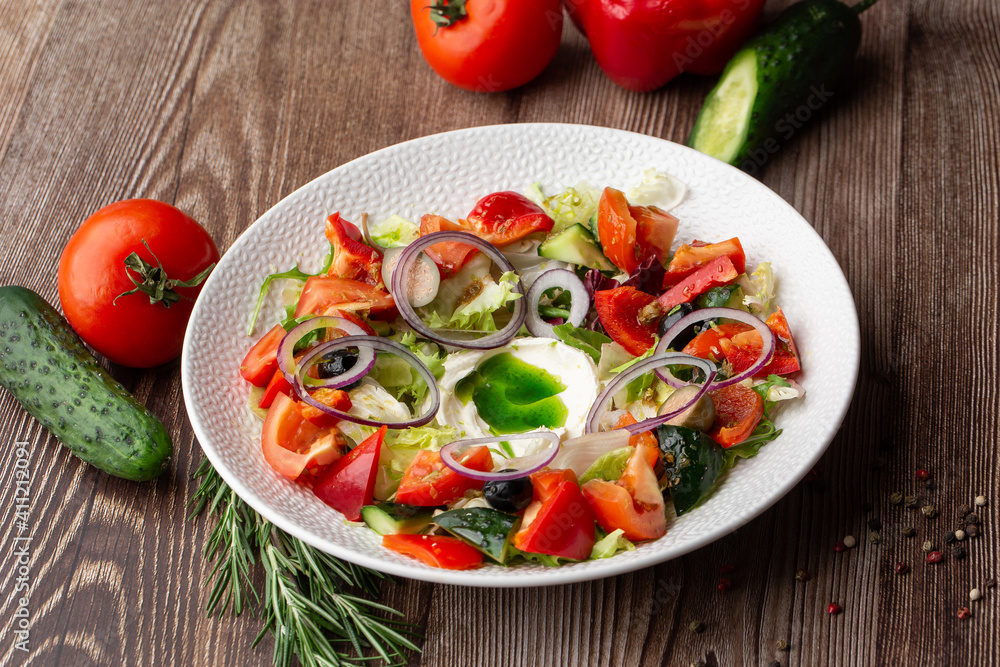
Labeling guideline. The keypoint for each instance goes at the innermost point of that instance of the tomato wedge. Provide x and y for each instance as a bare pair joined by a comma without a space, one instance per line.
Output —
645,438
277,385
349,484
293,445
690,258
450,256
740,345
352,258
654,232
718,272
504,217
325,295
262,360
634,504
560,525
617,230
620,312
441,551
428,482
738,410
708,344
544,483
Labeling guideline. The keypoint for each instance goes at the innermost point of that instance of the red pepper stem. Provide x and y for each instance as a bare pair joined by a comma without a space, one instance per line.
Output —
863,5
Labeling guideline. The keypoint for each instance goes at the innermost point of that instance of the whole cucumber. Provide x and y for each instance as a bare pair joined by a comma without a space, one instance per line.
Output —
49,371
778,81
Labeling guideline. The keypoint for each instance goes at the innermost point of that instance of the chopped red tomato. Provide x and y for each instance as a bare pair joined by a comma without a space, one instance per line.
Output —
277,385
654,232
616,229
560,525
349,484
645,438
428,482
293,445
708,345
352,258
634,504
504,217
323,295
262,360
718,272
334,398
738,410
690,258
450,256
740,345
441,551
621,313
544,483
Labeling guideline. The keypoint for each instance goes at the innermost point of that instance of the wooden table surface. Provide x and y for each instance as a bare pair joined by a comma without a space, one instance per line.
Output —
224,108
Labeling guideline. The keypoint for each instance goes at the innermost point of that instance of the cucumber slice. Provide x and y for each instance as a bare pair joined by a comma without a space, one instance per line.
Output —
395,519
575,245
724,121
488,530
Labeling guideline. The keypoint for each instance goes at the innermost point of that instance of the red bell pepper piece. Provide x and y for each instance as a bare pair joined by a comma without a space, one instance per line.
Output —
504,217
262,360
352,258
718,272
441,551
642,44
690,258
620,312
561,524
277,385
349,484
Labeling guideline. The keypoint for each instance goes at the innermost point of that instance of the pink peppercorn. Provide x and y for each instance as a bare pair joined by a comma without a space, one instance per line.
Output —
964,613
834,608
934,557
901,568
839,547
725,584
923,475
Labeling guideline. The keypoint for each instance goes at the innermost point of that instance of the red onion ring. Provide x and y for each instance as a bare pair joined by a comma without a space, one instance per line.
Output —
385,345
579,304
410,254
361,368
286,348
641,368
702,314
526,464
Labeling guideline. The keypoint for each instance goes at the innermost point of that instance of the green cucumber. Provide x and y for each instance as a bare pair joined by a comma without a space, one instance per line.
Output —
488,530
575,245
726,296
396,519
778,81
693,462
58,381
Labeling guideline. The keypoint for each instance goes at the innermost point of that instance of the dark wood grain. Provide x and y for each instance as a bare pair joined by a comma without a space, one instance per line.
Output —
225,108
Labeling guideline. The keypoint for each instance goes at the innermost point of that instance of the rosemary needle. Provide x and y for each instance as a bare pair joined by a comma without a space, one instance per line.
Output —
306,604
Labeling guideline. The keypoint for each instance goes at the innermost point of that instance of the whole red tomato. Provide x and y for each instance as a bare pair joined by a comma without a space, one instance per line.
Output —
139,246
488,45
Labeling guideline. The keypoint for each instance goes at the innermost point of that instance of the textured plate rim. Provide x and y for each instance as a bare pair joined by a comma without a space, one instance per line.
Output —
549,576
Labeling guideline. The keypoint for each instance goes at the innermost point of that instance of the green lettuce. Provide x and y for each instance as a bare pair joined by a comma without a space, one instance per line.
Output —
394,232
477,314
758,289
573,205
582,339
608,466
610,544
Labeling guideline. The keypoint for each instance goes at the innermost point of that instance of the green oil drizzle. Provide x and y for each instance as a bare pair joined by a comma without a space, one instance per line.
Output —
512,396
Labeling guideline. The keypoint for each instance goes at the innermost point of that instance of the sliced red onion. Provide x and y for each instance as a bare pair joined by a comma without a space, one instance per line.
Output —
579,304
641,368
286,348
523,465
702,314
385,345
361,368
424,278
578,454
367,235
410,255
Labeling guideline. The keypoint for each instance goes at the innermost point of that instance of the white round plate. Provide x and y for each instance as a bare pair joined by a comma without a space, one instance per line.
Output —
446,174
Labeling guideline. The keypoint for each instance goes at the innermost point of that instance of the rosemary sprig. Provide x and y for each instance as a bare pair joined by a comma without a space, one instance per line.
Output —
307,604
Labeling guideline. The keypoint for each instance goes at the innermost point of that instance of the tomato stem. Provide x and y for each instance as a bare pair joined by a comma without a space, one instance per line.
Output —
446,13
155,284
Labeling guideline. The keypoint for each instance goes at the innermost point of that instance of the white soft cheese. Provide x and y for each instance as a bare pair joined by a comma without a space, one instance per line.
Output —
574,369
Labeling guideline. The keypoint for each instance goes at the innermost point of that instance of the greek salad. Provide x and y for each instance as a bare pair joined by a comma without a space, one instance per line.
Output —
549,379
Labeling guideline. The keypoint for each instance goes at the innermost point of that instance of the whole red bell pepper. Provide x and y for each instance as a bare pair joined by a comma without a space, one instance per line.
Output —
643,44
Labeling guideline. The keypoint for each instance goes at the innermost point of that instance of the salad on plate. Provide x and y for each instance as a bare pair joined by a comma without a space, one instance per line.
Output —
549,379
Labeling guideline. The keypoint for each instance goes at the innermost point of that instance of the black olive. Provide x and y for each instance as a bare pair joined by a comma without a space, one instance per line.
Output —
508,495
337,363
672,318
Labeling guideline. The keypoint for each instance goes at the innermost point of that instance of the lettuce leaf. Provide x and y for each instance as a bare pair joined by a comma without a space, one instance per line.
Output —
582,339
573,205
394,232
758,289
608,466
610,544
